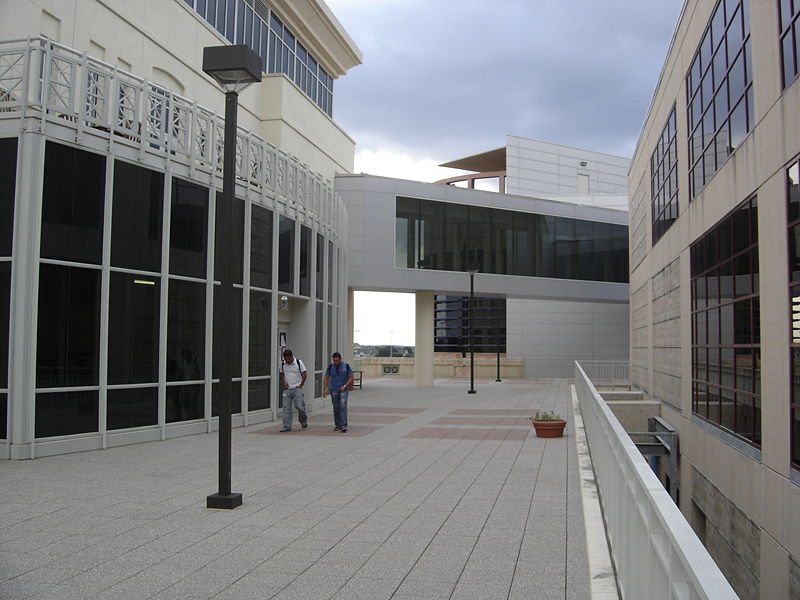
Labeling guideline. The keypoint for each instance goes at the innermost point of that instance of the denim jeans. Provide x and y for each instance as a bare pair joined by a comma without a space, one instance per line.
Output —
293,396
339,401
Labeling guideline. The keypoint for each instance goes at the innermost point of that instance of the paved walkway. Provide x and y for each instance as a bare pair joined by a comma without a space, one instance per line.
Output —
432,493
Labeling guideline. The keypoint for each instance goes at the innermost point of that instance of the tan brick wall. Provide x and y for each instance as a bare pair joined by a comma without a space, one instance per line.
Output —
733,540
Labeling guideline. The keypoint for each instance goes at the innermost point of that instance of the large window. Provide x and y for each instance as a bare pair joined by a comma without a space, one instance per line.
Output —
72,204
252,22
136,218
286,254
719,92
8,177
664,180
452,318
726,338
793,210
133,332
188,238
305,261
790,40
261,247
68,341
441,235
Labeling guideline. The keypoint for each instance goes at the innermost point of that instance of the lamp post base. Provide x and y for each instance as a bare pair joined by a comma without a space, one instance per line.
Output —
472,391
226,501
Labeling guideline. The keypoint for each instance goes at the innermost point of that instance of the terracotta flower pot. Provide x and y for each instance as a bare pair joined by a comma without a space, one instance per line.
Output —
549,429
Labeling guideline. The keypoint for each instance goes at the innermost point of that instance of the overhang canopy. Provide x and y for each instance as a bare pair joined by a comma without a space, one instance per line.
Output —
492,160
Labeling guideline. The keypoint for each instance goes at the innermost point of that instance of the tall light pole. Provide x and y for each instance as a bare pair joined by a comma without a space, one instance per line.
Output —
472,269
234,68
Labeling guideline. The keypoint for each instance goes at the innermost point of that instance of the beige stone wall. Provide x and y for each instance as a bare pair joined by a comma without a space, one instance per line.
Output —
163,40
666,319
745,499
731,538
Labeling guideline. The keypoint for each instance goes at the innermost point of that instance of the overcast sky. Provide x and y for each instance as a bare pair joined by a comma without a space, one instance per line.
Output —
444,79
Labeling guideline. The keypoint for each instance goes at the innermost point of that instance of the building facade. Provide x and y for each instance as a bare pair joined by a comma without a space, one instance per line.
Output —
714,253
109,187
560,267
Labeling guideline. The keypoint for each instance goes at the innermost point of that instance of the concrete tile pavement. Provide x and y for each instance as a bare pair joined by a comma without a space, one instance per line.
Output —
432,493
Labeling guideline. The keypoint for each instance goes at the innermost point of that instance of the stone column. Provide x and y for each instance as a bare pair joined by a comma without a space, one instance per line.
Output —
423,362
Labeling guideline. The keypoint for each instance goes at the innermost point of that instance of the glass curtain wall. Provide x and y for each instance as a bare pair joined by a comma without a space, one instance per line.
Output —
440,235
69,387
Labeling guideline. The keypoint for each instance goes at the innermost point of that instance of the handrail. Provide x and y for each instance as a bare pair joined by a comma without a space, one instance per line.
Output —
656,553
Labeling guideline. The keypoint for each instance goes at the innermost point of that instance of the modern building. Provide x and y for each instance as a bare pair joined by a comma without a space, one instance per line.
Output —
560,267
714,280
111,143
110,171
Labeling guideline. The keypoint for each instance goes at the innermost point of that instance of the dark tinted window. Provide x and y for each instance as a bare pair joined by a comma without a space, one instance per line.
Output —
184,403
66,413
5,320
136,217
260,334
286,255
186,320
320,266
68,328
132,408
3,416
8,178
188,229
726,338
258,394
133,319
305,261
72,204
261,247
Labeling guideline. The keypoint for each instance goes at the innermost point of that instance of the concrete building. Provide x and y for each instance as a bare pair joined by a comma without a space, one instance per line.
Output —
111,148
111,143
714,222
561,267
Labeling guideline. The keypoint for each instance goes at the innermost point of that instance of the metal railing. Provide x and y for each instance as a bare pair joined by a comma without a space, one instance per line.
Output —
656,553
52,83
607,372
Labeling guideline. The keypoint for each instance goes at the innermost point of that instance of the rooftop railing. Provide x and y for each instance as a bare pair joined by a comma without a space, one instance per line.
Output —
52,83
656,553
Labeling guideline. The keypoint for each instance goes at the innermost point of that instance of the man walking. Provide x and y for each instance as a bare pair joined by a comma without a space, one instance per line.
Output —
293,377
338,379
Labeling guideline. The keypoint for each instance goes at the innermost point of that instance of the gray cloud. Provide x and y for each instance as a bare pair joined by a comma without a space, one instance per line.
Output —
453,78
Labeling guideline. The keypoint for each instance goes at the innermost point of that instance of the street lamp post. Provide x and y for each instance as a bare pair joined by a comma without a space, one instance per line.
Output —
498,346
234,68
472,269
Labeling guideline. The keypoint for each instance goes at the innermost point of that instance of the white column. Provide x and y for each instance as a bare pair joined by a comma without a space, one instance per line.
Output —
347,351
423,361
24,295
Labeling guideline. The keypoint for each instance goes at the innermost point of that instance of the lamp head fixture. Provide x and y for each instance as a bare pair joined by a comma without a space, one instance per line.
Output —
234,68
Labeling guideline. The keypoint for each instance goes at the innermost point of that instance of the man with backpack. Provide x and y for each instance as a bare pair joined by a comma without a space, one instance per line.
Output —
293,377
339,381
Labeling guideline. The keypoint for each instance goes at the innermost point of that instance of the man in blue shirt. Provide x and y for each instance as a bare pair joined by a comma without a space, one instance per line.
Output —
338,379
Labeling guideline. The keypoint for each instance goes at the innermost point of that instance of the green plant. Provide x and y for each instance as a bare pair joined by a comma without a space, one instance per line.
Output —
543,415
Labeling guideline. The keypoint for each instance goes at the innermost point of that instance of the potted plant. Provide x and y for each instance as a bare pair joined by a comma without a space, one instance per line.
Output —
548,424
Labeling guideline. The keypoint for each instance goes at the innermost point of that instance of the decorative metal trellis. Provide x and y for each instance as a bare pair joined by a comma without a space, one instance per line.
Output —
43,79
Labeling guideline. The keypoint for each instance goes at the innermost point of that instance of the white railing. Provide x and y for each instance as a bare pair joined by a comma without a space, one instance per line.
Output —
607,372
656,553
52,83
